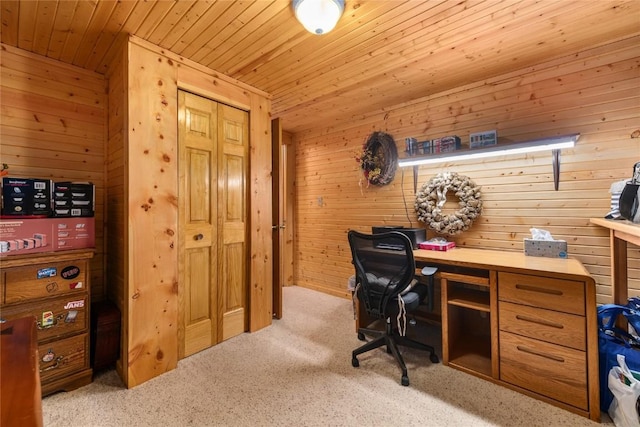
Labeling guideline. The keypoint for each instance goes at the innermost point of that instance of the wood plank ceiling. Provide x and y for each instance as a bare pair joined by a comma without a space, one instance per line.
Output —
381,53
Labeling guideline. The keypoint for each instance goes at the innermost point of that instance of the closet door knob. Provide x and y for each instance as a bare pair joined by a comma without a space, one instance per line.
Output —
198,236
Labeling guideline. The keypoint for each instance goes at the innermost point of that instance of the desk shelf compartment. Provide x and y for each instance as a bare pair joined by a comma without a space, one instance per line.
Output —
467,323
469,340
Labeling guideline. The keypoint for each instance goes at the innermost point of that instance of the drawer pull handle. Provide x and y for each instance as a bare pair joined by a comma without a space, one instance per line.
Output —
541,354
538,289
54,366
55,322
539,321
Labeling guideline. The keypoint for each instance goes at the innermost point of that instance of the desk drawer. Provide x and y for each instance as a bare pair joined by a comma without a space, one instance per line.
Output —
557,372
44,280
55,317
554,294
547,325
63,357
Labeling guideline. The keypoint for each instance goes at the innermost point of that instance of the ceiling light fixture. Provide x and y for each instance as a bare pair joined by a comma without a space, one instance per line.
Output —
318,16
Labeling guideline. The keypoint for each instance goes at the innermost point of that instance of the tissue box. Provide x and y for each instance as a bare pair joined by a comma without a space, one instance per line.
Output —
545,248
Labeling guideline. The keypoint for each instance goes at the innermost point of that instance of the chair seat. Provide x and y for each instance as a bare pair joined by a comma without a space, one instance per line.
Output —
415,296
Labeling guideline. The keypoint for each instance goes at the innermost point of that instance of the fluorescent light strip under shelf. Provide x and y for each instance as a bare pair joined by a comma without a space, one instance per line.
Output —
555,143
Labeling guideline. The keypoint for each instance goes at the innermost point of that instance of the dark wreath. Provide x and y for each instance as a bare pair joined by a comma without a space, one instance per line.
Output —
379,159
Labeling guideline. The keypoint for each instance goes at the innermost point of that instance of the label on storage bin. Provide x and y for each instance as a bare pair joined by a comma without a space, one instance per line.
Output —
47,272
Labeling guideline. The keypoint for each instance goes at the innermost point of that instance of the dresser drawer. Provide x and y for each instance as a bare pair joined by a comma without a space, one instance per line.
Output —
554,294
63,357
56,316
564,329
554,371
44,280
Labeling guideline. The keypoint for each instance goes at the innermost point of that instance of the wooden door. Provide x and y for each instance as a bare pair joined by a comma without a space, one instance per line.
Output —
283,196
213,146
277,219
198,223
233,140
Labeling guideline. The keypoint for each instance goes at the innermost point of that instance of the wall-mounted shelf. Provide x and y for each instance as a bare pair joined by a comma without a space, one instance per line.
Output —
555,144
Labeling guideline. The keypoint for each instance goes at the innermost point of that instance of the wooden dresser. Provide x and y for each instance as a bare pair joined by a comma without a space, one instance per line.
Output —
54,288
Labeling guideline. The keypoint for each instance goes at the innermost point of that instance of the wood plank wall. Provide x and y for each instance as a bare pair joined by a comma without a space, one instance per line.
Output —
53,127
594,93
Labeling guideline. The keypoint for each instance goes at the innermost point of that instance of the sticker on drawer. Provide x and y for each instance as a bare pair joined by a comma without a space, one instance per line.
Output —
49,356
47,318
74,304
75,285
47,272
70,272
71,316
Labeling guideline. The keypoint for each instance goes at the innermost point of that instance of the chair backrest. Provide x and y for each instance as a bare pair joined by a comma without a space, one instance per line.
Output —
381,273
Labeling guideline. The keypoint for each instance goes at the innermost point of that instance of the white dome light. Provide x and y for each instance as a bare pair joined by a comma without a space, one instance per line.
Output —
318,16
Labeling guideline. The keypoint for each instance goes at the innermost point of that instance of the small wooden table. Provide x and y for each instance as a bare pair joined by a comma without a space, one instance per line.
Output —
620,232
20,379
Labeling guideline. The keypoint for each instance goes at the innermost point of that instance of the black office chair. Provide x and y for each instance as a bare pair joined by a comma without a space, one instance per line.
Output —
386,286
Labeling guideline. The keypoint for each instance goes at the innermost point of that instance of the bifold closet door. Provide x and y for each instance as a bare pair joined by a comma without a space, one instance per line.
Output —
198,222
233,142
212,205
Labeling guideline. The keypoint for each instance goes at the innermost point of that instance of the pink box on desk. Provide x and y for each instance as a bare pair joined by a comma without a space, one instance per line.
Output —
434,246
27,236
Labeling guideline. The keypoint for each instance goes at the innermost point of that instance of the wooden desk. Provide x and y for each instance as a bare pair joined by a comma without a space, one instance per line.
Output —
20,380
620,232
527,323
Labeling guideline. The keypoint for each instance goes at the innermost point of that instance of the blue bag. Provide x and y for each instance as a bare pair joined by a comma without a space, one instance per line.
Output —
613,341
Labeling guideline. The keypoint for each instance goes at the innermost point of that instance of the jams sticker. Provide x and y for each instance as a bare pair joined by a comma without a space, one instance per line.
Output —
70,272
74,304
47,272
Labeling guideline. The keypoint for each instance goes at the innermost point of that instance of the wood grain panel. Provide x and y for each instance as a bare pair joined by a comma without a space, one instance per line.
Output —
47,132
381,53
152,215
590,92
259,187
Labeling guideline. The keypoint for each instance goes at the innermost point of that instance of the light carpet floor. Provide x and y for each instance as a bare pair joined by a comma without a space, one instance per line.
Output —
298,372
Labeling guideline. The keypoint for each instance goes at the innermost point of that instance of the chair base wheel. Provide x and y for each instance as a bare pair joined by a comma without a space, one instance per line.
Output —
361,336
405,380
434,358
354,362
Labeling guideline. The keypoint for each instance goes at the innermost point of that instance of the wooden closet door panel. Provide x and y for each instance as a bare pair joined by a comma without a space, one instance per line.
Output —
232,191
198,206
